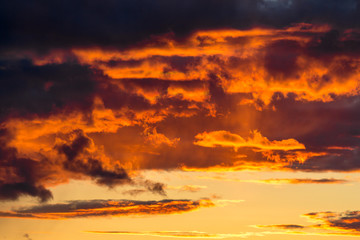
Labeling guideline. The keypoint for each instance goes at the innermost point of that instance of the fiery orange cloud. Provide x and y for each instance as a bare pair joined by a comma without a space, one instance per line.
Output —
228,139
101,208
258,61
140,107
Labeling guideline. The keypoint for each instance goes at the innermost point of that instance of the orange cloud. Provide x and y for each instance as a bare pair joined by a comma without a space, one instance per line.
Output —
228,139
142,106
260,62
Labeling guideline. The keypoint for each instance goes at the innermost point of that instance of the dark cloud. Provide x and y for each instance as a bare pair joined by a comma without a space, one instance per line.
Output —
346,160
20,176
27,236
284,226
116,98
304,181
349,220
27,89
280,58
155,187
88,165
330,127
116,23
102,208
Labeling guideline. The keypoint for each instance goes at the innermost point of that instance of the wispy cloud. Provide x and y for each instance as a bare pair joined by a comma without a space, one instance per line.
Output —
180,234
101,208
187,188
281,180
326,224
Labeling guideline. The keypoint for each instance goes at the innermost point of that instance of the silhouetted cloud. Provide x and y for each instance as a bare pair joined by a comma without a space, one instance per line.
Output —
101,208
284,226
81,23
28,89
91,166
20,176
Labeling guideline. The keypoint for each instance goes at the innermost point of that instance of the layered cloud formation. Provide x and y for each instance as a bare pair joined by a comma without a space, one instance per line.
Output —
260,86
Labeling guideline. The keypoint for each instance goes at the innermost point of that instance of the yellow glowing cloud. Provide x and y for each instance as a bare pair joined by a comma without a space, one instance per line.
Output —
228,139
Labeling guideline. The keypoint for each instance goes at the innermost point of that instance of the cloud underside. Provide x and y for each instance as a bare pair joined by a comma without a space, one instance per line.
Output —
326,223
82,101
103,208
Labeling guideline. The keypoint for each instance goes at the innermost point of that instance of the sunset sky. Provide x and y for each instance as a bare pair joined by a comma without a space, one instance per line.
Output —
179,119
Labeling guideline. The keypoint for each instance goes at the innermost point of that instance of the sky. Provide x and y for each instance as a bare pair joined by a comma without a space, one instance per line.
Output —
179,119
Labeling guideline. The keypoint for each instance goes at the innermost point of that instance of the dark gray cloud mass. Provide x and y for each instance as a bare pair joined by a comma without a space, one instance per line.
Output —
43,25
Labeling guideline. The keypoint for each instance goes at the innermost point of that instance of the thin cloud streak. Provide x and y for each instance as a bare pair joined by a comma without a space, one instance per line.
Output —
281,180
179,234
103,208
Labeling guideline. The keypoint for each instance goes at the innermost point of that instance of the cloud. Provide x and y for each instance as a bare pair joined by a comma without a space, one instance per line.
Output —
27,236
283,180
28,89
21,176
179,234
303,181
134,192
155,187
79,160
228,139
84,101
187,188
343,221
331,223
73,156
84,26
102,208
283,226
